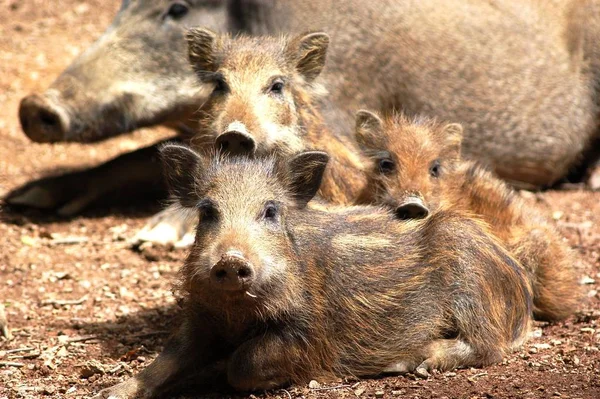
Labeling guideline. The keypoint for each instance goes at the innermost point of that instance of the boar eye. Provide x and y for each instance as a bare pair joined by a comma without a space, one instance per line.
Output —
434,169
177,10
220,86
208,212
386,166
271,211
276,87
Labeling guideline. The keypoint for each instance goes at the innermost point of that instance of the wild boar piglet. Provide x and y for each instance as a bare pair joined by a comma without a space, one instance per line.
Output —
416,169
276,292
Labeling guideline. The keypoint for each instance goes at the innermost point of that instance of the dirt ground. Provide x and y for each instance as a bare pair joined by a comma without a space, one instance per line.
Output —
87,311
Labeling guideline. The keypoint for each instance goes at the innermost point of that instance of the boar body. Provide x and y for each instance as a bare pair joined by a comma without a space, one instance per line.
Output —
523,76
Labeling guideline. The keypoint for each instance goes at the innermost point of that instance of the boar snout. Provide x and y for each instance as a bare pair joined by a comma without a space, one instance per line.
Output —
236,140
42,120
412,208
232,273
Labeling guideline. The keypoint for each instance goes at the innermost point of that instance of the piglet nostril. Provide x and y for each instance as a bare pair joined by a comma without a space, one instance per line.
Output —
236,143
412,210
247,146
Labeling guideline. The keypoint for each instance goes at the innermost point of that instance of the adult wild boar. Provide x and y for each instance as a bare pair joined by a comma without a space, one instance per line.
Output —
521,76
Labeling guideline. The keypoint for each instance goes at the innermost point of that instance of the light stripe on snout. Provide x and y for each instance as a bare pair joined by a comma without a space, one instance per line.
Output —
237,126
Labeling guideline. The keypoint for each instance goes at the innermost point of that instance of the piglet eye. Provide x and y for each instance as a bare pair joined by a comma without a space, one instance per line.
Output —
271,211
276,87
386,166
434,169
208,212
220,86
177,10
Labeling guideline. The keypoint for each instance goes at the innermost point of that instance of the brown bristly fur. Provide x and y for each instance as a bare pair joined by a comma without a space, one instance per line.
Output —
414,145
281,124
343,292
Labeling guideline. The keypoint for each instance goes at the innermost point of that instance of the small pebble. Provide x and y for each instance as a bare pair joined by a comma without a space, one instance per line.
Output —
379,394
556,215
314,384
587,280
536,333
542,346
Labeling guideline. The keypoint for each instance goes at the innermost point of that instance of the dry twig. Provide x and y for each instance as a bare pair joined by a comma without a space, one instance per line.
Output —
11,364
63,302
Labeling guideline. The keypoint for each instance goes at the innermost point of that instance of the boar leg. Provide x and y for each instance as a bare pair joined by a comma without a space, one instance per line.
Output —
449,354
442,354
593,180
4,330
186,355
264,362
71,193
171,225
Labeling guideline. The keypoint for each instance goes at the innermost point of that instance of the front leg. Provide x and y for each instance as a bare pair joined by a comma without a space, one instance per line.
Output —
135,173
186,354
268,361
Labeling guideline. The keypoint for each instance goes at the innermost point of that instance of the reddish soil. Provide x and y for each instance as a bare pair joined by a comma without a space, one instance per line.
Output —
89,311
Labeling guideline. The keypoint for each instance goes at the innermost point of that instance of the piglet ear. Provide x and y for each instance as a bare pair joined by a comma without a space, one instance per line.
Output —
308,52
306,172
181,166
368,131
453,133
201,49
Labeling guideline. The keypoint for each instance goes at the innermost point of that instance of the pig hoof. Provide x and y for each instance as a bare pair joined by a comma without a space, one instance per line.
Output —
35,197
423,369
170,226
68,194
593,181
76,206
422,372
125,390
402,367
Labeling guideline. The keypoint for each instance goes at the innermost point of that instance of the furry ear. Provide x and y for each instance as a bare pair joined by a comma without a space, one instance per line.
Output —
201,49
453,134
181,165
309,52
306,172
368,131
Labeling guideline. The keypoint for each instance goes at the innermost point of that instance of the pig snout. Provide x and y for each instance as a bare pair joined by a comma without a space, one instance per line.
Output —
232,273
412,208
42,120
236,140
